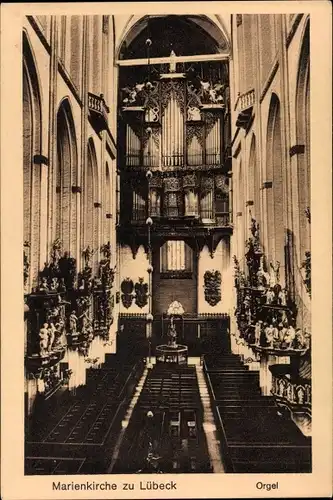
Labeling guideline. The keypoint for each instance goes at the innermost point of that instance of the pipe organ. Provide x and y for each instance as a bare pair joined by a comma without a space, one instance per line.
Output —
174,125
133,147
172,107
213,139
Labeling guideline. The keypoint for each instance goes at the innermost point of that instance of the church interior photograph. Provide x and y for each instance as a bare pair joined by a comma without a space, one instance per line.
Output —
166,256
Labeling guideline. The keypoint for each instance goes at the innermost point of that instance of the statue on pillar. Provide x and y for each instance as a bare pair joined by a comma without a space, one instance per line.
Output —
274,275
172,65
87,255
255,234
73,323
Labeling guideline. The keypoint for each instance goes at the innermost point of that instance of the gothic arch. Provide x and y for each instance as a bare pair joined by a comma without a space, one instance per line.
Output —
92,218
252,178
240,206
212,27
274,193
108,200
32,149
302,113
66,179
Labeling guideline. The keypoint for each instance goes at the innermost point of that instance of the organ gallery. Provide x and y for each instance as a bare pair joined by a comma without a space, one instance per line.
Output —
167,257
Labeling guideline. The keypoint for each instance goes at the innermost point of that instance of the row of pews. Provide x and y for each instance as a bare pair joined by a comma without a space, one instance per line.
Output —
172,438
76,433
254,437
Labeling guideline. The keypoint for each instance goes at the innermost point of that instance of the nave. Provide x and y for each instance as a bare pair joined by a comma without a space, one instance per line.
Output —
134,418
167,216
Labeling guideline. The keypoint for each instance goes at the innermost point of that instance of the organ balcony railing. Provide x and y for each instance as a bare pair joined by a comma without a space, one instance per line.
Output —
223,219
204,216
98,111
193,160
244,107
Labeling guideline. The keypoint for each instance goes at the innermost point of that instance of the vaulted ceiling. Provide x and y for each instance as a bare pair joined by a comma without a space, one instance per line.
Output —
186,35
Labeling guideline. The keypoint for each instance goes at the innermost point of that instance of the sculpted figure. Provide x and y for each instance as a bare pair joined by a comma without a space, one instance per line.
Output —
282,297
51,332
43,340
54,284
300,394
269,332
172,65
290,336
193,114
280,333
270,295
257,332
274,275
87,254
44,285
72,322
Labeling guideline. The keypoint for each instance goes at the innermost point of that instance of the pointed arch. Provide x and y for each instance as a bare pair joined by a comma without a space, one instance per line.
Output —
274,196
90,198
108,203
252,177
254,191
66,178
302,113
240,210
213,27
32,148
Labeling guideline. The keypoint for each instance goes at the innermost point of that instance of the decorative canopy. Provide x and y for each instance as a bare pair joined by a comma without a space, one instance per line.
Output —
175,309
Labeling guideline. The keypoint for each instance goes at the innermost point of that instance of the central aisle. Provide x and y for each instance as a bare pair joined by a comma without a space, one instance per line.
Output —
168,429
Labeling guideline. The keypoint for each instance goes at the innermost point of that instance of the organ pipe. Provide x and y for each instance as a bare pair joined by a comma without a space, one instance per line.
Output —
194,152
172,133
213,144
133,147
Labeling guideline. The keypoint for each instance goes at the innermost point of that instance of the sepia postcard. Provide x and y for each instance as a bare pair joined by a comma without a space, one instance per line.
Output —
166,250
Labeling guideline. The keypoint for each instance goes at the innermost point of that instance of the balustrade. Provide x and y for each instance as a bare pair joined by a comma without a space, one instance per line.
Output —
244,106
222,219
199,160
98,111
182,209
246,100
293,393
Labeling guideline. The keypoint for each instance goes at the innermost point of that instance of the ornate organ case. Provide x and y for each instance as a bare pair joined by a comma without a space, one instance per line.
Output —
175,123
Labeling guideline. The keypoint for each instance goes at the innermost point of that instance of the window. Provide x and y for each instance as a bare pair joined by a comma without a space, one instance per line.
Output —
176,259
